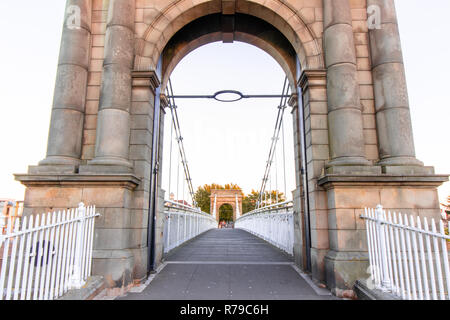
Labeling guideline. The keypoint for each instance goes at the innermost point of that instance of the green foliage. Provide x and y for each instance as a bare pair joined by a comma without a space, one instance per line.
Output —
226,213
202,199
270,198
249,201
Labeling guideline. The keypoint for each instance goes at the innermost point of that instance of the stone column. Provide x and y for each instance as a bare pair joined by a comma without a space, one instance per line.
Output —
113,126
396,144
214,209
344,105
66,126
238,212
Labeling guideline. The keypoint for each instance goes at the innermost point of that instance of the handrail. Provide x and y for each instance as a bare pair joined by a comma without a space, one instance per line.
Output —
273,207
169,204
274,224
182,223
404,227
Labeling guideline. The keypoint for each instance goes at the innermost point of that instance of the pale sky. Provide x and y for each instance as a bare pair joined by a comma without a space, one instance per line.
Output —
224,142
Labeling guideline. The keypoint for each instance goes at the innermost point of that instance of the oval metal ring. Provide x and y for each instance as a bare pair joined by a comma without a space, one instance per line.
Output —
239,95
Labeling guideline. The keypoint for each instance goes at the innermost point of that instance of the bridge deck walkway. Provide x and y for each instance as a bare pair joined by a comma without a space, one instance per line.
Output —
229,264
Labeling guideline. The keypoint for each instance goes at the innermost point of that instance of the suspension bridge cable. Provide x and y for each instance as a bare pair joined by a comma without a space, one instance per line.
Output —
184,192
278,125
284,161
276,178
179,138
170,157
275,139
178,178
270,188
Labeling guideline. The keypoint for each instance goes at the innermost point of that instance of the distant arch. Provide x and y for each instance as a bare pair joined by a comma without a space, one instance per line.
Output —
232,197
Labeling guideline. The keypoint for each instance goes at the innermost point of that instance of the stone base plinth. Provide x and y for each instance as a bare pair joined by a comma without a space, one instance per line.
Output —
348,196
120,234
116,267
140,264
317,264
342,269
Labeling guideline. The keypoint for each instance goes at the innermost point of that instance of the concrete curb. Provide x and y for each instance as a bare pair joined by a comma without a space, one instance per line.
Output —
91,289
364,293
107,294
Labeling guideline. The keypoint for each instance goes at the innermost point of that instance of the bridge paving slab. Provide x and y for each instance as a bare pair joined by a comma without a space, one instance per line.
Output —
228,264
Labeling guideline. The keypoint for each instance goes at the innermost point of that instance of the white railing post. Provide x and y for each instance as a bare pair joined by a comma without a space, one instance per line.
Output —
45,256
401,254
381,230
168,232
186,222
76,281
272,224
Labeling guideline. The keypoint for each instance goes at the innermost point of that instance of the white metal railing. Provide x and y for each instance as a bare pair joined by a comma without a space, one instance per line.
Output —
46,255
274,224
407,259
184,223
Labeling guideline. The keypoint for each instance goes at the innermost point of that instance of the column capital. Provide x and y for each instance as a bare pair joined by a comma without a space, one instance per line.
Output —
146,79
313,78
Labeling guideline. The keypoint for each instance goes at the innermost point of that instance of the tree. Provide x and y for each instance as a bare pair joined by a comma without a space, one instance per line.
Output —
201,197
226,213
269,198
249,202
273,197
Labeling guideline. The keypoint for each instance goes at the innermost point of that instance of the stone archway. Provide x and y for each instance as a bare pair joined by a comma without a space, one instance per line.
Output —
220,197
246,28
353,134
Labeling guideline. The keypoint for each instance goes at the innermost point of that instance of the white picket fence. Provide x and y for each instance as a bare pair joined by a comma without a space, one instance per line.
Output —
274,224
46,255
184,223
407,259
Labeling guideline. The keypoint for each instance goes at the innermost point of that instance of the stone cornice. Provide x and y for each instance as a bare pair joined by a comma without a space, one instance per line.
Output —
128,181
146,79
313,78
342,180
